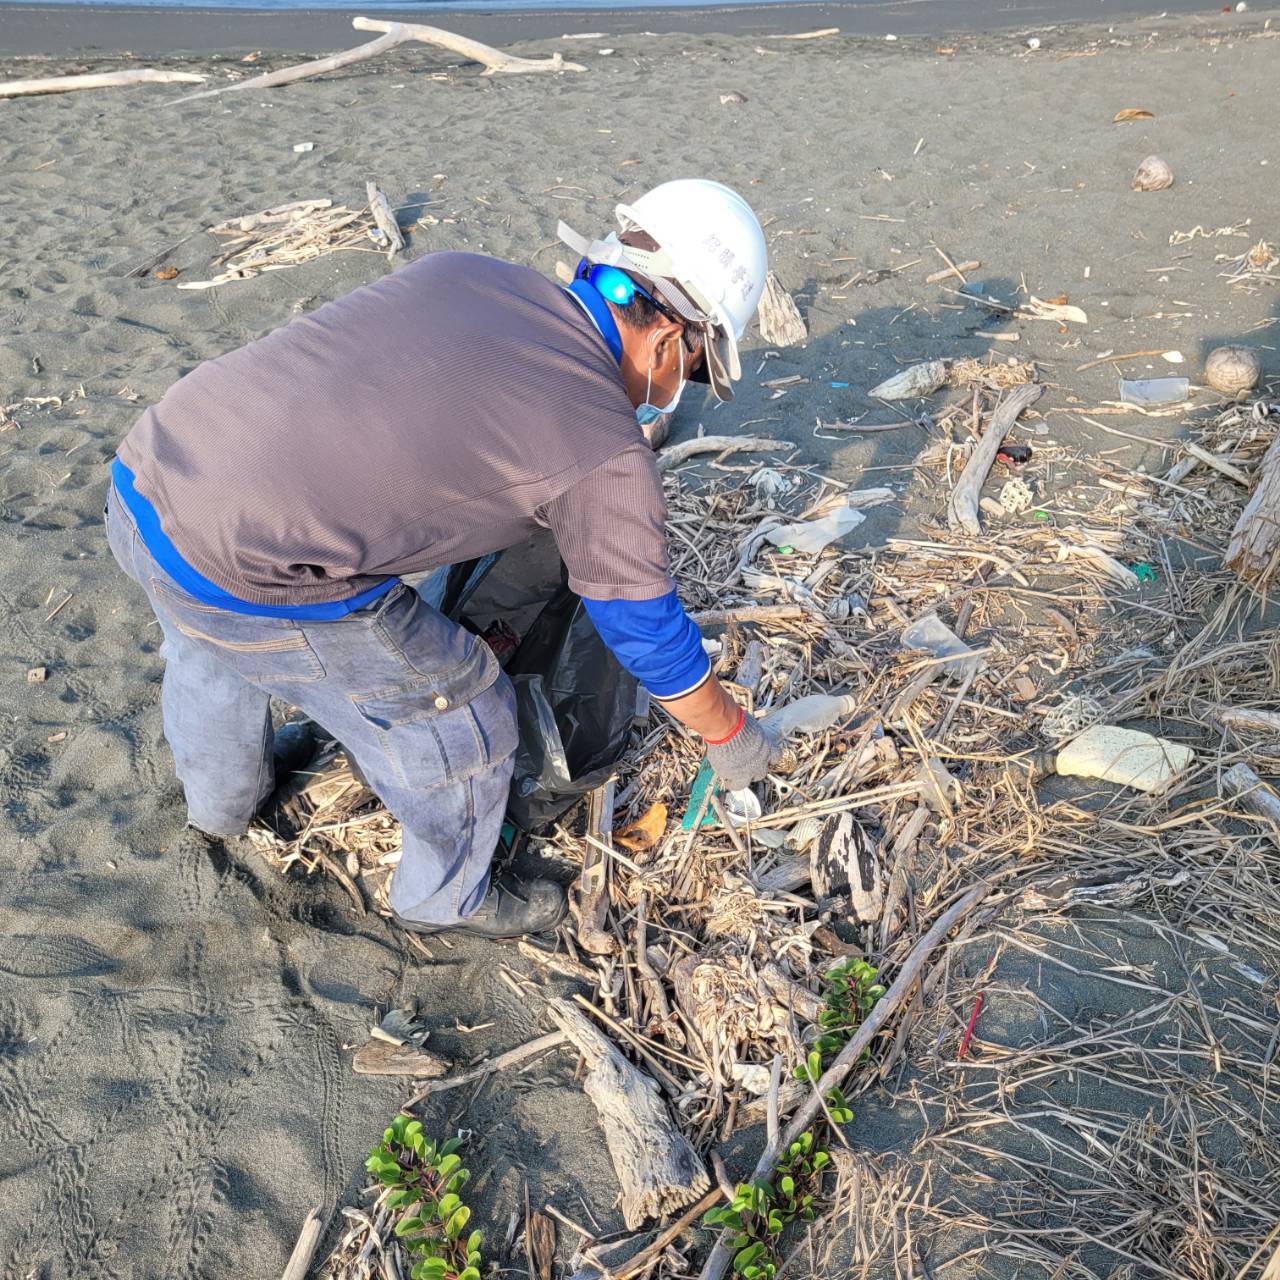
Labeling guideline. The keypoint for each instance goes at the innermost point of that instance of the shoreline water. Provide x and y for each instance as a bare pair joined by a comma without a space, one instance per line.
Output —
53,29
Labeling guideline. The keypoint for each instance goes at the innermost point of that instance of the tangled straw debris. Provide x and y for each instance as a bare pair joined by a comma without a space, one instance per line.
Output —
290,234
1127,942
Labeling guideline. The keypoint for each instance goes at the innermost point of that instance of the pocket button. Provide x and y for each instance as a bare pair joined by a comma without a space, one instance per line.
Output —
442,703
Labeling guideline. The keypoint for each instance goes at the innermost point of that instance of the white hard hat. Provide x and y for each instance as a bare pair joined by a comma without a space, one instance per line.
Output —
709,265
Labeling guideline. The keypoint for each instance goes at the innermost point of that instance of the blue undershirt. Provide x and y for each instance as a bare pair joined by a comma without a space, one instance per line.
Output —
194,583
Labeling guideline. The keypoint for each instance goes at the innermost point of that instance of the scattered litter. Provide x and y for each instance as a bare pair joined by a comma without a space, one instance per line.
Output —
811,714
304,146
1014,455
956,658
1073,714
732,99
1143,571
809,537
1016,496
1124,756
1131,113
1153,174
1033,42
37,675
1154,390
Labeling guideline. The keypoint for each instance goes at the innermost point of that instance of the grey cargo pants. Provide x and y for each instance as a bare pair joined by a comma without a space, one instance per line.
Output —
418,703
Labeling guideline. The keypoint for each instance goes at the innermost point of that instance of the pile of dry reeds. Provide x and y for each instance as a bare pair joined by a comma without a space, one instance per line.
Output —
1087,1139
291,234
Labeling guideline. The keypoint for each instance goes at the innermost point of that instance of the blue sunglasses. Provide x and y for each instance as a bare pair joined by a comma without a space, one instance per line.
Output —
614,285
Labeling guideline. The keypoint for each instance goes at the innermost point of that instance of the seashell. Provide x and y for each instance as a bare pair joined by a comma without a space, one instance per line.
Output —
1232,369
804,833
1153,174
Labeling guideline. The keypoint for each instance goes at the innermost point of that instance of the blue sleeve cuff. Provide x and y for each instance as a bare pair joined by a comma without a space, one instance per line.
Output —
655,640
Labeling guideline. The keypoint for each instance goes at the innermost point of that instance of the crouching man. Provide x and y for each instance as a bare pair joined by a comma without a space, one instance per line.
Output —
269,503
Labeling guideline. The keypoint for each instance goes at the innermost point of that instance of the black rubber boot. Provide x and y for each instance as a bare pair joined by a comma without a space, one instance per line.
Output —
511,909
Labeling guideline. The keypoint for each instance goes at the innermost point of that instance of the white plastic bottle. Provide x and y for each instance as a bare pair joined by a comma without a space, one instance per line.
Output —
813,714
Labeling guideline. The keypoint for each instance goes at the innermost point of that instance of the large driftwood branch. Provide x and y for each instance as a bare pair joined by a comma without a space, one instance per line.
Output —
718,1260
673,455
494,61
658,1171
962,510
101,80
1254,550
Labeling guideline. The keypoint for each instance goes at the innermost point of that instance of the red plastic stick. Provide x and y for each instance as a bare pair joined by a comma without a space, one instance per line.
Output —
973,1019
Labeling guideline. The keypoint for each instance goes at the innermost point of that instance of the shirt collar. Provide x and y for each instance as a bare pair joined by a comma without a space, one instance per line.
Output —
598,311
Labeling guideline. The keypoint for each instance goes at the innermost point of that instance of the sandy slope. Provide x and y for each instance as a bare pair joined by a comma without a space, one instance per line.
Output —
173,1089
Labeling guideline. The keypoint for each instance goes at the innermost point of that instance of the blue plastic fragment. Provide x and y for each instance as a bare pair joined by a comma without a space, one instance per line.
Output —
698,799
839,386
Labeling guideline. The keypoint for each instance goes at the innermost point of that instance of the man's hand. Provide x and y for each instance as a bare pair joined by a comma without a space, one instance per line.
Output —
737,747
743,757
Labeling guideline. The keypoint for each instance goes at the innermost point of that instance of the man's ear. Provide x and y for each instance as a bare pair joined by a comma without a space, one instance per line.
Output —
666,337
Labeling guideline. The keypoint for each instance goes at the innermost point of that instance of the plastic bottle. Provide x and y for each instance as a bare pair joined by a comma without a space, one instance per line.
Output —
813,714
1124,756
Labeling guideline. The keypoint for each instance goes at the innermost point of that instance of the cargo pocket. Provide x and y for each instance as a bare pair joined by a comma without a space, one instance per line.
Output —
264,651
432,745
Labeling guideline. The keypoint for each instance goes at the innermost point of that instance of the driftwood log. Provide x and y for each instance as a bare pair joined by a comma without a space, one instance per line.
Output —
658,1171
673,455
494,61
1254,795
781,324
962,509
1254,549
381,1058
299,1264
834,1076
592,903
101,80
385,219
1252,719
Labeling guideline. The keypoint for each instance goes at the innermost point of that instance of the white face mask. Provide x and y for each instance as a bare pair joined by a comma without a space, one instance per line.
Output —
646,413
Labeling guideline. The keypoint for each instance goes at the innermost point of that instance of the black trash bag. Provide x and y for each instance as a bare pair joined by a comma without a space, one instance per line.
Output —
575,706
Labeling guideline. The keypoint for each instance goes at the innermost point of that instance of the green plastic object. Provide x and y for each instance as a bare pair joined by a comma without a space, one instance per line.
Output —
1040,515
698,798
1144,572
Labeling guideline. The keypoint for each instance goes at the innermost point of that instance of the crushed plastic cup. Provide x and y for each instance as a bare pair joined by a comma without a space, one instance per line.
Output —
1154,390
